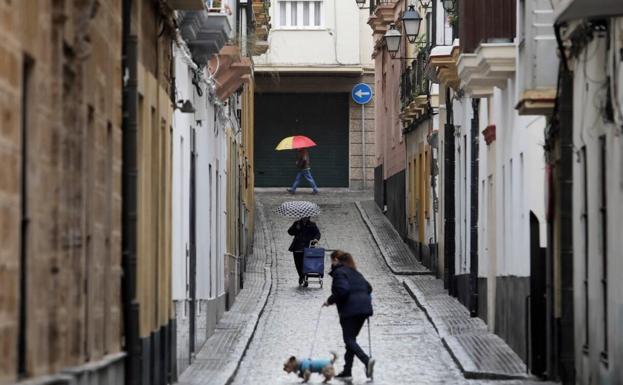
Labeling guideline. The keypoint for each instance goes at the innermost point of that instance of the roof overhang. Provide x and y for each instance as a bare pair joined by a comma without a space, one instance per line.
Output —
352,70
569,10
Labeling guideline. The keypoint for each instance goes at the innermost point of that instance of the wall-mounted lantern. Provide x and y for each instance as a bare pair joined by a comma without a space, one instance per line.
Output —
448,5
392,40
411,20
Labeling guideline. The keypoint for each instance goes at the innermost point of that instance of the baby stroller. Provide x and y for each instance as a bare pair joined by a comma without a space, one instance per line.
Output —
313,263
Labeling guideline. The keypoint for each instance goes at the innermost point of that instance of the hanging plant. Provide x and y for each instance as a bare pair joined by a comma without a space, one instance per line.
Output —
453,19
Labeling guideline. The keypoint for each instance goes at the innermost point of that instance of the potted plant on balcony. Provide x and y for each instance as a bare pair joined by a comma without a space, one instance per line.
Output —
453,19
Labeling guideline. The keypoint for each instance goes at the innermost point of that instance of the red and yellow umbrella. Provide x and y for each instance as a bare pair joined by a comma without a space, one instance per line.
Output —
295,143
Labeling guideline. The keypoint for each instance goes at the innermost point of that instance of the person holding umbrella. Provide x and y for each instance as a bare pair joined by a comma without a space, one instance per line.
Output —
300,143
303,229
302,162
305,232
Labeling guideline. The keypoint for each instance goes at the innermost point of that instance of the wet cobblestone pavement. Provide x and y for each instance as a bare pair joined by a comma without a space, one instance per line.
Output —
407,347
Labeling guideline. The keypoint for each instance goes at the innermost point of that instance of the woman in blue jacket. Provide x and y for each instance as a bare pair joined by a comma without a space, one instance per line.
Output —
351,293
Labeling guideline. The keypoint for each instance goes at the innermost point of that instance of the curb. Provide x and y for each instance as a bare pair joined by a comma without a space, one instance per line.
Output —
456,351
382,248
268,278
227,374
412,292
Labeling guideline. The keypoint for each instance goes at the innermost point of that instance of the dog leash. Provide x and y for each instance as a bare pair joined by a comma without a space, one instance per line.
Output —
369,339
311,352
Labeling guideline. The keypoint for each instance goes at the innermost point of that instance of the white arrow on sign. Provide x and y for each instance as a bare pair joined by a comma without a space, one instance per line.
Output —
361,93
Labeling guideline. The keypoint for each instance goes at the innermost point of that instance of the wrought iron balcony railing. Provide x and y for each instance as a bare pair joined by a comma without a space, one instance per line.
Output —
414,81
376,3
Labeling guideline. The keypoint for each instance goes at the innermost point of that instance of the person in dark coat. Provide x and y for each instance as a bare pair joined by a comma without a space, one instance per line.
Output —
352,295
304,231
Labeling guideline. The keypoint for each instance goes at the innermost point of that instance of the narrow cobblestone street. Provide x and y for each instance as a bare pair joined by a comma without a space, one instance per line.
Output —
407,347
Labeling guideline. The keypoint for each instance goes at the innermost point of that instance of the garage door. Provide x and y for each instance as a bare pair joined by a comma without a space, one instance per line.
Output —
322,117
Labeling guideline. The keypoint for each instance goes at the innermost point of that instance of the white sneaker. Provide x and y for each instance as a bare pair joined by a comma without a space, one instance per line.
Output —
370,368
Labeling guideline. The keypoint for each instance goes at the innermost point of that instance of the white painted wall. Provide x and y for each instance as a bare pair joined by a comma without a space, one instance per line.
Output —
462,110
181,181
593,67
486,164
520,171
211,149
343,38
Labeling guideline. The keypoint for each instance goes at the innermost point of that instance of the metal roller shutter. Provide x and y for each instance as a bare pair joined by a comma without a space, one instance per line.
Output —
322,117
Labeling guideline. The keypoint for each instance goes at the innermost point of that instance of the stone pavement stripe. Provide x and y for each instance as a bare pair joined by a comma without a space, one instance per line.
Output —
478,353
219,359
485,356
396,253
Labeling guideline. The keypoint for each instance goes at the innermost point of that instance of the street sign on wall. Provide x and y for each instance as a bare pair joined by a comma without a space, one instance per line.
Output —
362,93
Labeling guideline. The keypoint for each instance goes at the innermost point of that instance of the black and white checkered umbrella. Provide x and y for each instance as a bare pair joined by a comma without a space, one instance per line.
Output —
298,209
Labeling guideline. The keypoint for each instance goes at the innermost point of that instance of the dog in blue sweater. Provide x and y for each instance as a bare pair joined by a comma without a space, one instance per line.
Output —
306,367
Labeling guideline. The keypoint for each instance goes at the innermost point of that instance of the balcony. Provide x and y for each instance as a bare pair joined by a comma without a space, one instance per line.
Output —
230,70
490,66
483,21
262,26
381,8
414,89
443,61
382,14
537,41
205,32
567,10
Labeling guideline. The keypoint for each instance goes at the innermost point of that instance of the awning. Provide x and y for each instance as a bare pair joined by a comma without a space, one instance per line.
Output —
588,9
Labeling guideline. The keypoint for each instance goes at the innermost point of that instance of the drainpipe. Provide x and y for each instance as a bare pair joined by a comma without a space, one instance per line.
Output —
193,244
449,198
129,200
473,263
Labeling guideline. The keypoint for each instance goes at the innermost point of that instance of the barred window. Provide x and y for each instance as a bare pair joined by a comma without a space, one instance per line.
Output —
300,13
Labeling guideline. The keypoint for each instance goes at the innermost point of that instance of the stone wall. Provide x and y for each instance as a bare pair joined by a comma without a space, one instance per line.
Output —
60,186
355,141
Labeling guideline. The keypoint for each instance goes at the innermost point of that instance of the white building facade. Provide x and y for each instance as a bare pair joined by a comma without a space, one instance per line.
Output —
319,50
212,209
593,37
492,167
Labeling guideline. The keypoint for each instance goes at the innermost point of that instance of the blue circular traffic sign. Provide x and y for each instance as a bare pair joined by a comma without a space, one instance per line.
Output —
362,93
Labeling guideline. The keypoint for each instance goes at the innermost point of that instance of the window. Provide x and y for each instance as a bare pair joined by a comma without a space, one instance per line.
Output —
300,14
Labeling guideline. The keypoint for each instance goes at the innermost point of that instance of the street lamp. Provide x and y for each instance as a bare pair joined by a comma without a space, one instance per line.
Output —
392,40
411,20
361,3
448,5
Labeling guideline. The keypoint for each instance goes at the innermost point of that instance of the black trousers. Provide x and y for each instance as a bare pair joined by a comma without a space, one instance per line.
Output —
298,262
351,327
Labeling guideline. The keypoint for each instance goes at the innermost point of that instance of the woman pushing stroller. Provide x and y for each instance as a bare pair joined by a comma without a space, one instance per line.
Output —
351,293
